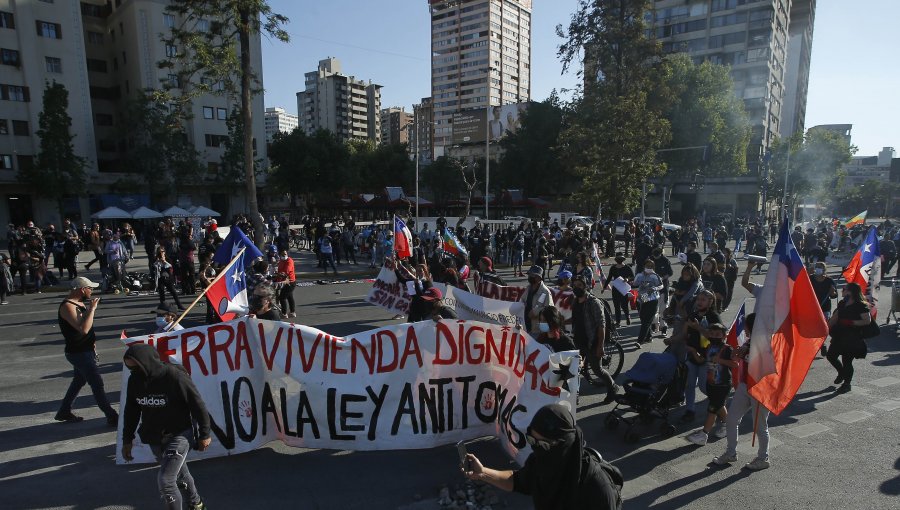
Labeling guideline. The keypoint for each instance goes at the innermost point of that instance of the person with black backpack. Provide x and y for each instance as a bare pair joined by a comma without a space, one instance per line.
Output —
561,472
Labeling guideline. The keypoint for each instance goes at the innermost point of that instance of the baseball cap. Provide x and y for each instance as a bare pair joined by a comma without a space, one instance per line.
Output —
82,282
432,294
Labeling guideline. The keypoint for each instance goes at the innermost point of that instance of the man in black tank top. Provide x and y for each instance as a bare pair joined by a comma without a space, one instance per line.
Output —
76,322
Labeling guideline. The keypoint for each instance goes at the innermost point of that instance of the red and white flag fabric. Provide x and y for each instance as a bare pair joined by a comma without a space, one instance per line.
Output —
402,239
865,268
737,337
789,329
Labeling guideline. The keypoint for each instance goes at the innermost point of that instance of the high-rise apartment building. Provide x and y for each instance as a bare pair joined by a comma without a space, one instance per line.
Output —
279,121
753,37
423,122
481,56
342,104
396,124
104,53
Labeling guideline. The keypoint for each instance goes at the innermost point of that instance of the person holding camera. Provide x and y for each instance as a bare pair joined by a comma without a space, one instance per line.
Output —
561,471
166,403
76,323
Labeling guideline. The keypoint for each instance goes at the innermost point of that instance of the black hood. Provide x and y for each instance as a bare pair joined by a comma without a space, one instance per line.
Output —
148,359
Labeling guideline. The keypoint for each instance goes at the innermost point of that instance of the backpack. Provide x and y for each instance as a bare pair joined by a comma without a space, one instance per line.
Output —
610,472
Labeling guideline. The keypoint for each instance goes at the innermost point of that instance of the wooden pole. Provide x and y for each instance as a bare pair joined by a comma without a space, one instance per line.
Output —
202,294
755,422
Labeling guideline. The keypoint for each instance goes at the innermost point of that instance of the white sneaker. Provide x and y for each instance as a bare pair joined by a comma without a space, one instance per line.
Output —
698,438
757,464
720,431
725,459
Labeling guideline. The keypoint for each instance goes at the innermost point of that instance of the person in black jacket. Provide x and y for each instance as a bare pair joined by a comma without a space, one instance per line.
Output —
560,472
166,402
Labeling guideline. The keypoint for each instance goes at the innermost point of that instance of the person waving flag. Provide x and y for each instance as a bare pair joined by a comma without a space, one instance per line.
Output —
402,239
789,329
736,338
452,245
865,268
228,293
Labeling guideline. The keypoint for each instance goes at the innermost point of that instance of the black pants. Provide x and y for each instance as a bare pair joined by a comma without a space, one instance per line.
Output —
844,367
163,285
188,285
349,252
286,297
647,312
211,316
620,302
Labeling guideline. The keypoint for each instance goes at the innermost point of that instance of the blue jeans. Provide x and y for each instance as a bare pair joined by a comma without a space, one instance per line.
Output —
172,457
696,374
86,371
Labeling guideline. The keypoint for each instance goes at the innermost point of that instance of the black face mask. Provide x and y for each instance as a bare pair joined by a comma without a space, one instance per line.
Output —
256,302
533,281
578,291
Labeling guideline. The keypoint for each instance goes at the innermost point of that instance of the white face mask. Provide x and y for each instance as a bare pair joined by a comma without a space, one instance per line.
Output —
544,327
647,270
284,257
819,271
161,321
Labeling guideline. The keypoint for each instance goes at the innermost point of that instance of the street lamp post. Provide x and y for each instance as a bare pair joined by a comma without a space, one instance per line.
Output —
487,146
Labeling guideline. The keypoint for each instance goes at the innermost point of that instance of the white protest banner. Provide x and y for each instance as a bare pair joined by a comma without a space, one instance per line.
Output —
388,293
404,386
470,306
562,299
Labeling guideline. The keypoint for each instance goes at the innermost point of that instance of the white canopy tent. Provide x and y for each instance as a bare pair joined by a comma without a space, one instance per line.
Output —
145,213
111,213
177,212
203,211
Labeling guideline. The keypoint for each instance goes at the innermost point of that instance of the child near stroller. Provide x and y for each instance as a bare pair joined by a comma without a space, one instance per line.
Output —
653,386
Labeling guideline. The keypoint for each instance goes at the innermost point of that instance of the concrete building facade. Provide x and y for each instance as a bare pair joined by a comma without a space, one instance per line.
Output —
753,37
104,53
396,125
870,168
423,124
279,121
342,104
481,56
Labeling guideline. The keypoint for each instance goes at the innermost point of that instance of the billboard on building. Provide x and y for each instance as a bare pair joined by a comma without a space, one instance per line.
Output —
469,126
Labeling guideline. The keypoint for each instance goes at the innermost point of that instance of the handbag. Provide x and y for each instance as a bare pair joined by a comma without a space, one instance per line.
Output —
870,330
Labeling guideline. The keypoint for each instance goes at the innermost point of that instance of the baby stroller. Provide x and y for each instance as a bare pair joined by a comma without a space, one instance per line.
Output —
653,386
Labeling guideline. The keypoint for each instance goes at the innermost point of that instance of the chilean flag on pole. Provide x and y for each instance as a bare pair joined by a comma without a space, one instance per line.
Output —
736,338
228,294
789,330
402,239
865,268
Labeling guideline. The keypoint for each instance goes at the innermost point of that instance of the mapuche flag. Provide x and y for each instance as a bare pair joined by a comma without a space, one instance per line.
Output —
865,268
228,295
859,219
789,330
452,245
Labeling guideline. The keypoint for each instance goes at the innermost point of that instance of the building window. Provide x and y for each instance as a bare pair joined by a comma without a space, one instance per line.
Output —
207,112
171,50
9,57
104,119
124,59
203,25
215,140
48,30
14,93
173,81
20,128
6,162
95,37
7,20
94,11
115,64
121,28
96,65
4,127
221,113
169,20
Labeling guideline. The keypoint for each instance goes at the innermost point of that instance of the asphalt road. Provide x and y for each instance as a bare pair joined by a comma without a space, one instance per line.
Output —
827,450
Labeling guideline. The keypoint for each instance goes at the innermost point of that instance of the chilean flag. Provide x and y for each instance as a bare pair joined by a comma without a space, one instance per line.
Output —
228,294
865,268
737,337
789,329
402,239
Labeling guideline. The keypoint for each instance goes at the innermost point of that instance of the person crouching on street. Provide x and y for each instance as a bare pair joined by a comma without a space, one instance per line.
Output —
166,402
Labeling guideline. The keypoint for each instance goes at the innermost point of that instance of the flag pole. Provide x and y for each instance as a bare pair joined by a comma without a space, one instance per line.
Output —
202,294
755,422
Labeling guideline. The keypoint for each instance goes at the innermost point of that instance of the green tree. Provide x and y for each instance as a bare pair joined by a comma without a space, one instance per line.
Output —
813,168
213,41
705,112
442,179
232,173
57,171
158,152
312,166
617,122
532,153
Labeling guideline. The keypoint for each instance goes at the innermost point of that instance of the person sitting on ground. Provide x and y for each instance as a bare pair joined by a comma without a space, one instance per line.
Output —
552,334
719,363
560,472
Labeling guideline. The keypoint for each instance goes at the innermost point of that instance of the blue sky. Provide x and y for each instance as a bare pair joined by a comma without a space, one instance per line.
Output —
853,79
